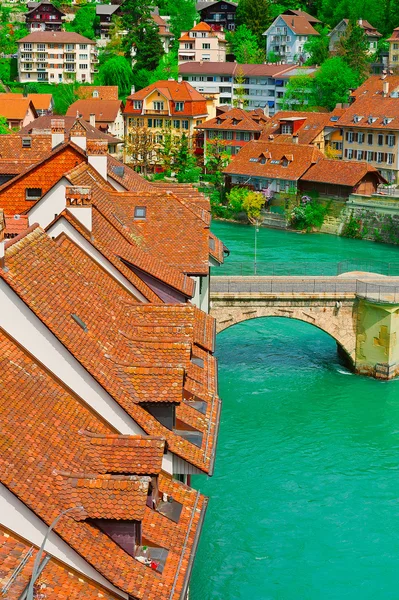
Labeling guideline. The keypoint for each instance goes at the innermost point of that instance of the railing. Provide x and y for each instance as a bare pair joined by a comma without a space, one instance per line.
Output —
386,293
265,285
150,111
296,269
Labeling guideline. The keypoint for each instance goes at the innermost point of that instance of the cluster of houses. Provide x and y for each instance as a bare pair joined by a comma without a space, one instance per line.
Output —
109,399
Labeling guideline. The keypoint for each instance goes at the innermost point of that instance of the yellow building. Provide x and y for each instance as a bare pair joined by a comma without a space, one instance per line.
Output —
393,60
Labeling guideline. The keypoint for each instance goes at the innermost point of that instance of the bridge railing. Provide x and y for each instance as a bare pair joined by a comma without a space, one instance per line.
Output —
300,268
235,285
387,293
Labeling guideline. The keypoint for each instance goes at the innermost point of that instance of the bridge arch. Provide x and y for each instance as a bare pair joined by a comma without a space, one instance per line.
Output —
339,322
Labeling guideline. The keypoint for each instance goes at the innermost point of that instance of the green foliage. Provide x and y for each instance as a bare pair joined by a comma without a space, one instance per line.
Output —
85,22
317,47
184,163
299,93
64,94
235,199
256,15
167,69
4,129
244,45
333,81
352,228
182,14
272,57
10,33
117,71
308,215
240,99
142,38
252,205
216,161
353,48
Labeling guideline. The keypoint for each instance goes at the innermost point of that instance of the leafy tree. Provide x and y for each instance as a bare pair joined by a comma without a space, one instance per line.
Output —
244,46
272,57
256,15
114,45
4,129
85,22
333,81
140,147
317,47
216,160
167,69
117,71
142,40
309,214
182,14
252,205
299,94
239,99
184,162
353,48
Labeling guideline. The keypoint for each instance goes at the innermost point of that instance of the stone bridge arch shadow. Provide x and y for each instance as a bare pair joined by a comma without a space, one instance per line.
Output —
339,322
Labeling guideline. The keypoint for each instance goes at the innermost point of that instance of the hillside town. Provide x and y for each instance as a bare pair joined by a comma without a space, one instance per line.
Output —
125,127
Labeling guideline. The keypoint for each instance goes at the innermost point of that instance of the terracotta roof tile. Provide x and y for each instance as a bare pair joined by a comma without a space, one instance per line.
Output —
346,172
105,92
106,111
299,25
372,110
236,119
17,109
311,126
126,177
42,125
39,101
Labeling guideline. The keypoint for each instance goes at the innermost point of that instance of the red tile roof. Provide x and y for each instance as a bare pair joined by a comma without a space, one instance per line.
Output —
17,109
58,37
247,161
106,111
371,109
42,125
343,172
127,177
312,125
30,465
236,119
194,102
15,225
395,35
39,101
299,25
105,92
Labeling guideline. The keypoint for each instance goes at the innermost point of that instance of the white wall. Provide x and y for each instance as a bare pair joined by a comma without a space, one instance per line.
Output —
63,226
52,204
201,296
115,184
15,515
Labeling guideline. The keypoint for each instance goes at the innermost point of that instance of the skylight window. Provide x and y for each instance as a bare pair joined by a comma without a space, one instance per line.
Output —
33,193
198,361
79,321
26,142
140,213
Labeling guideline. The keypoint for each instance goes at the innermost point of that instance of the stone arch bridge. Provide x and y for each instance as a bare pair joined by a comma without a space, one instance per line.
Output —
362,315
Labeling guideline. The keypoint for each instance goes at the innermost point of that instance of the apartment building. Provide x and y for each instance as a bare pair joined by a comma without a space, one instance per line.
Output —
202,43
56,57
370,126
287,36
339,30
393,57
218,14
264,85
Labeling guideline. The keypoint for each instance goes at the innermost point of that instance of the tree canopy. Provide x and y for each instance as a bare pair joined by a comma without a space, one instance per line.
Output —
117,71
333,81
85,22
317,47
256,15
353,48
244,45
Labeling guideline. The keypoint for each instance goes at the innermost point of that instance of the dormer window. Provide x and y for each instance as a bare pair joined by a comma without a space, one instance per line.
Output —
371,120
96,94
286,128
179,106
137,104
26,142
140,213
386,120
33,193
357,118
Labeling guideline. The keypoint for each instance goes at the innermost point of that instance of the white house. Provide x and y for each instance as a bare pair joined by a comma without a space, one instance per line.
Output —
287,36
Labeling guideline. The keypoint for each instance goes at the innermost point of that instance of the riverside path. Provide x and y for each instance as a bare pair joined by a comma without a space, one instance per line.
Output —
359,310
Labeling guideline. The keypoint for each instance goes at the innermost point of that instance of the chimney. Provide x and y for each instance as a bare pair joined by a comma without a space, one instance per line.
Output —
92,119
57,132
179,79
295,138
78,203
97,151
133,89
77,135
385,88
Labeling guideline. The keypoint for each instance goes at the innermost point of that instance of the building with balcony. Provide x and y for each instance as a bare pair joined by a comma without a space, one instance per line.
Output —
393,57
287,36
43,16
56,57
264,85
218,14
339,30
202,43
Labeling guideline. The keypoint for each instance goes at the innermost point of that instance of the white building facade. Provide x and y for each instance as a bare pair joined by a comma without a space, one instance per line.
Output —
287,36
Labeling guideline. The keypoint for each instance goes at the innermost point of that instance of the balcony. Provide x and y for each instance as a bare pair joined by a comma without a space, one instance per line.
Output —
153,111
152,557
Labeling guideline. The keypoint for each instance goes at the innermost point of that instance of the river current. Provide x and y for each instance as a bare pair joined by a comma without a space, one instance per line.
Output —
304,502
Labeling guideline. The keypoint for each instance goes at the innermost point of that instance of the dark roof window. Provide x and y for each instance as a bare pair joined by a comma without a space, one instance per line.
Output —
33,193
140,213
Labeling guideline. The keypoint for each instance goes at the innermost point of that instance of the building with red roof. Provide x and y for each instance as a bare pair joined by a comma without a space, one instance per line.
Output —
287,36
339,30
202,42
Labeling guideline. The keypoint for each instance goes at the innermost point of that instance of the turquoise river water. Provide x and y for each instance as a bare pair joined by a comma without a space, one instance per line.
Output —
304,502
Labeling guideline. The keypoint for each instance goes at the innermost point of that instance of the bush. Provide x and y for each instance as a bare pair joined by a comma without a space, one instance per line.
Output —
353,228
308,215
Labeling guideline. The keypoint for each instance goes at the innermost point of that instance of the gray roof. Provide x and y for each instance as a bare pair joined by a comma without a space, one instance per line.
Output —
106,9
202,5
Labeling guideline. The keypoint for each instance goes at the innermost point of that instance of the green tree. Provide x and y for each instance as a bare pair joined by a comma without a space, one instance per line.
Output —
216,160
85,22
239,99
184,162
117,71
114,45
299,93
182,14
244,45
353,49
256,15
333,81
4,129
252,206
167,69
142,40
317,47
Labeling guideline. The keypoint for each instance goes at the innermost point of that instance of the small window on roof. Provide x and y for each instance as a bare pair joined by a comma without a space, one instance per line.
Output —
198,361
26,142
95,94
33,193
140,212
79,321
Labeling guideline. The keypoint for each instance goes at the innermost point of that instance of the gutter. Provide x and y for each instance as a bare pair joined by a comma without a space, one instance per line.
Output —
193,551
212,464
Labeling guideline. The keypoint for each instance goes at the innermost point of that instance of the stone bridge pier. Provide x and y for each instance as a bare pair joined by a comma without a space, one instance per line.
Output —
362,317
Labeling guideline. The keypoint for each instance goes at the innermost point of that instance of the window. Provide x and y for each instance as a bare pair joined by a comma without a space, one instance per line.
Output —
350,136
359,154
33,193
82,66
370,156
137,104
286,128
360,138
158,105
350,153
370,139
184,124
229,135
140,213
83,56
149,122
83,46
179,106
396,46
246,137
27,46
380,139
158,122
26,142
390,140
390,158
206,46
176,123
380,157
41,47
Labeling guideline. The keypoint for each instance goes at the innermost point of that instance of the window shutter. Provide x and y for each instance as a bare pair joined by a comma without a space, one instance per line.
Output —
347,136
386,139
356,136
346,152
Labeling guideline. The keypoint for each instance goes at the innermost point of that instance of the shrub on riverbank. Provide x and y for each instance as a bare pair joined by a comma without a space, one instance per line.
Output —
308,215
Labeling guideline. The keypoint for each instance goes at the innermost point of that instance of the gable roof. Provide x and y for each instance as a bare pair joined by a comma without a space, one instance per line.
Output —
237,119
246,162
347,172
194,102
202,5
17,109
312,125
299,25
301,13
39,101
43,125
372,109
58,37
106,111
395,35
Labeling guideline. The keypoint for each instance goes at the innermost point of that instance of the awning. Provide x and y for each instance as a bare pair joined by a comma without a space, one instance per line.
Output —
271,103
